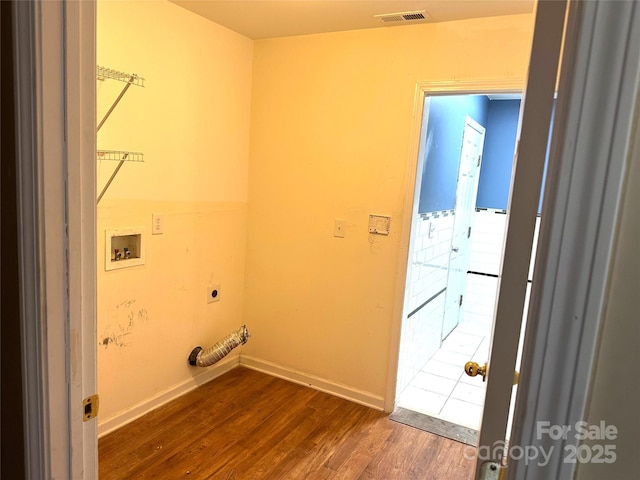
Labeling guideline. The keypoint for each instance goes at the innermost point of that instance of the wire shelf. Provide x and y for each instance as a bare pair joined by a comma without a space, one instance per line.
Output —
120,155
102,73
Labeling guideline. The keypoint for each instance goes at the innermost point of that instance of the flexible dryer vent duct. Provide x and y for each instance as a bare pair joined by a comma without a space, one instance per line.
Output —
206,358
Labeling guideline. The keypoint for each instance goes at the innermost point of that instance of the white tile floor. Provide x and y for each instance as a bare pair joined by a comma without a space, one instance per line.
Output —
442,389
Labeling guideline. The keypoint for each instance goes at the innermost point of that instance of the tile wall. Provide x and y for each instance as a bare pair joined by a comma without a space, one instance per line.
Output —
487,238
426,279
440,388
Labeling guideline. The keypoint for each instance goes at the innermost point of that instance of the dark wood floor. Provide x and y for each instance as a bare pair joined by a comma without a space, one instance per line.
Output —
247,425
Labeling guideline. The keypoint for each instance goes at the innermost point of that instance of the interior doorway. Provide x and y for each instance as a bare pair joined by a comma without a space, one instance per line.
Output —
457,234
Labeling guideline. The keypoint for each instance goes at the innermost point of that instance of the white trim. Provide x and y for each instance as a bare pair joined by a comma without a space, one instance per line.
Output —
591,138
79,178
55,80
418,132
49,68
136,411
140,409
361,397
471,87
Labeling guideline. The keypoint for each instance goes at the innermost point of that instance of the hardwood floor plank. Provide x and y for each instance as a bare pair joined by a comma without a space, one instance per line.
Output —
158,435
248,425
401,451
454,458
259,441
270,460
204,445
316,453
366,441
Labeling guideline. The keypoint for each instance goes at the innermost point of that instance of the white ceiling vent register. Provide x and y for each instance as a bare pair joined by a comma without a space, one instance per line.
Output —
416,15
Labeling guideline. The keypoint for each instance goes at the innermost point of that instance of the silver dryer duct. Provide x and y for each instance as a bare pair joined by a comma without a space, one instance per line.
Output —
206,358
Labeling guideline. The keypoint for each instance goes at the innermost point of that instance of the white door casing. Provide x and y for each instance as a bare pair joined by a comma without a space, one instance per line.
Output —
55,44
423,91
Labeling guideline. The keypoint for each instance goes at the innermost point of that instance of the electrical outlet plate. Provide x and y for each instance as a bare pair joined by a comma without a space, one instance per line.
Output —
213,293
157,223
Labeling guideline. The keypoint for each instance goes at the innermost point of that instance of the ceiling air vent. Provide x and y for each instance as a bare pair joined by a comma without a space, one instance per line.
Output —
416,15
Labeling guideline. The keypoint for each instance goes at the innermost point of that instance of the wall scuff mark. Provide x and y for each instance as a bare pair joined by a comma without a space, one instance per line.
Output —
118,335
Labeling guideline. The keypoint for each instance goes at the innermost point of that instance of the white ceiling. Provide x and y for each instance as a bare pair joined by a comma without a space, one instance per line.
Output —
259,19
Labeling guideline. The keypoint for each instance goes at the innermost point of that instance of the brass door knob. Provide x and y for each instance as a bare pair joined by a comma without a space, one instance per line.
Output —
472,369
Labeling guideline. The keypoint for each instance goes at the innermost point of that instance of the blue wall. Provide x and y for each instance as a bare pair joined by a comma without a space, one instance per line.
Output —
444,143
546,158
497,155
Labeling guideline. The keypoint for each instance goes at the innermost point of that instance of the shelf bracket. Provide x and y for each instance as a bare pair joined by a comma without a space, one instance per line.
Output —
103,73
113,106
113,175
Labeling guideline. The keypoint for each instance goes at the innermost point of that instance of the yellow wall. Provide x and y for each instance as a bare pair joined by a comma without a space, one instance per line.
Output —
192,123
331,119
306,130
192,118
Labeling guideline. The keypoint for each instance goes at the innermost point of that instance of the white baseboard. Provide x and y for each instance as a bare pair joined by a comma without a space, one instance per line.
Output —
128,415
367,399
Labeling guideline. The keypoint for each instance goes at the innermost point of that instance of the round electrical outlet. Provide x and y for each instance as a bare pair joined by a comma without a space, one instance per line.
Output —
213,293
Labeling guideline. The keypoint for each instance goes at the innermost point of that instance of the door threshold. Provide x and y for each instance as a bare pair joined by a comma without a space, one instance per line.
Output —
435,425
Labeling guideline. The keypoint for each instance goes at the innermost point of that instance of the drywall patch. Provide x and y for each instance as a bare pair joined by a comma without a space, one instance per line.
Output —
374,245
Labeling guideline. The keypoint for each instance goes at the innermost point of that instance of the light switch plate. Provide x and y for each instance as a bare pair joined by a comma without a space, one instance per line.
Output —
339,226
379,224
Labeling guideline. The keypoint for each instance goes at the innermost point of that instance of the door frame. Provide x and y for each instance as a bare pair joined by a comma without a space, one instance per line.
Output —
424,89
601,61
56,144
602,26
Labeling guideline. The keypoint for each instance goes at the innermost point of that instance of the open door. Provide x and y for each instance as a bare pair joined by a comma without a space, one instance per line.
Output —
533,128
466,194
